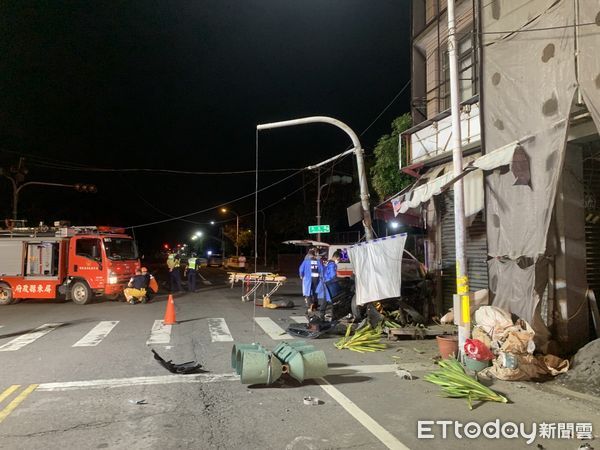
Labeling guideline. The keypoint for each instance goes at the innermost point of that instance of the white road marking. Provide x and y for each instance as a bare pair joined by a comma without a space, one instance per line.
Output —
299,319
137,381
96,334
381,368
272,329
219,331
28,338
365,420
204,280
170,379
160,334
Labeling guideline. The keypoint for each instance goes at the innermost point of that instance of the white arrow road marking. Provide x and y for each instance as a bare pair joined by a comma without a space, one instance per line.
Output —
97,334
160,334
28,338
272,329
219,331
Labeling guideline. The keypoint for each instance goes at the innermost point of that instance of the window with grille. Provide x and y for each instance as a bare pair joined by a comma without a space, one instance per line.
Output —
467,72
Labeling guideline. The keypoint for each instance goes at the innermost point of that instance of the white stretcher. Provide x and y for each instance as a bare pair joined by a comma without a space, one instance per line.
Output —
252,281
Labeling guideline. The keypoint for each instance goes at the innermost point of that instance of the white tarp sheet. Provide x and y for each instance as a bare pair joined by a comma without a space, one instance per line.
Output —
529,84
377,267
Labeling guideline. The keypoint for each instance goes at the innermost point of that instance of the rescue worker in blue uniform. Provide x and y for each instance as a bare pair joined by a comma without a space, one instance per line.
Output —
192,266
311,271
329,274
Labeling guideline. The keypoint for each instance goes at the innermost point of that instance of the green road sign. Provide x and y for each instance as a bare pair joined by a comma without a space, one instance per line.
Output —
314,229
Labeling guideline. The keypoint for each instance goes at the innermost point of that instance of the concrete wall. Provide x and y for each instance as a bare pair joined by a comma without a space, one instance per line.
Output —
432,42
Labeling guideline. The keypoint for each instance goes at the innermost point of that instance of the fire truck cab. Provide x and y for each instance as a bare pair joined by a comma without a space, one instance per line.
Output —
73,263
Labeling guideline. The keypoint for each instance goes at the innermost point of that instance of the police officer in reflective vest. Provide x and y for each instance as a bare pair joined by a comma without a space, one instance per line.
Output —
174,273
192,266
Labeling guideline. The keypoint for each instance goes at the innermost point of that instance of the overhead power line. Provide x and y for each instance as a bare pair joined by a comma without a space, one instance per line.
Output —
40,161
184,216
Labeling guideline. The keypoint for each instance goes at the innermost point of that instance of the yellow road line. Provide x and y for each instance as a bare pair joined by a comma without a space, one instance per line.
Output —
9,391
17,401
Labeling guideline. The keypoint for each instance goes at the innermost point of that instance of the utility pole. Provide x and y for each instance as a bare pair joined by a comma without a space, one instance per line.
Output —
357,150
16,175
319,203
335,179
462,313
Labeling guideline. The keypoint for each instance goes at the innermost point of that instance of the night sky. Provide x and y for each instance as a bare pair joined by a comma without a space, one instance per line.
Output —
181,86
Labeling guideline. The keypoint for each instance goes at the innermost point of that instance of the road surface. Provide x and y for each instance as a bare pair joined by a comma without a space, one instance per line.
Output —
79,377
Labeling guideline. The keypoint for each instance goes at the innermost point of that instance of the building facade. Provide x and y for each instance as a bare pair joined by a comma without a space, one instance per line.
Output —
530,102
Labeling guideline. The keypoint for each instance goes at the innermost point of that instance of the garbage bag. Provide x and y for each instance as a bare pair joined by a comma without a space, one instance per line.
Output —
494,321
475,349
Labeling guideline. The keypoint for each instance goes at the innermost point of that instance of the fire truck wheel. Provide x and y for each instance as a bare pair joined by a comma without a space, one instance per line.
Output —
6,297
81,293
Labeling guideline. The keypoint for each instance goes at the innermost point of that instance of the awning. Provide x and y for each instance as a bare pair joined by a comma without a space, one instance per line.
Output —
440,178
499,157
435,180
512,154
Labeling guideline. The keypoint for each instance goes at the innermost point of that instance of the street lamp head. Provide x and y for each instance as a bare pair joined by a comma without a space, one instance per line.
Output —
198,234
224,210
212,222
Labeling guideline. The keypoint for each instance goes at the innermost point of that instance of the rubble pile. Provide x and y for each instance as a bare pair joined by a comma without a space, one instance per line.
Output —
584,375
512,344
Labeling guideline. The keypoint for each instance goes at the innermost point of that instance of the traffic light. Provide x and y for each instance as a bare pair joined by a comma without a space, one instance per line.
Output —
88,188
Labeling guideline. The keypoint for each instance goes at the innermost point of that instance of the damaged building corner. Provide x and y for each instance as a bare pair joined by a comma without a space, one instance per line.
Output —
531,152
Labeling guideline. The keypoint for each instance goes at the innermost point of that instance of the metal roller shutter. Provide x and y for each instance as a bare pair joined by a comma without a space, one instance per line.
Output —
476,250
591,177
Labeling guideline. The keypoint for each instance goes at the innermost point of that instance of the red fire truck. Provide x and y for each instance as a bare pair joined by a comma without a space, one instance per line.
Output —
73,263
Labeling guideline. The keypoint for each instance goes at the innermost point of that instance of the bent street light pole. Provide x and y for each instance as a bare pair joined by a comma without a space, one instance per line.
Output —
358,151
462,280
319,204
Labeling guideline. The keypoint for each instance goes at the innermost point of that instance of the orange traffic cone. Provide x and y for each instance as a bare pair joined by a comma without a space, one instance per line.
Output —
170,312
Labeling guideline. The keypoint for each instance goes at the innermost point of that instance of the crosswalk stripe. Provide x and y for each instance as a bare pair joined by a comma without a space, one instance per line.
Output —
219,331
299,319
28,338
272,329
160,334
96,334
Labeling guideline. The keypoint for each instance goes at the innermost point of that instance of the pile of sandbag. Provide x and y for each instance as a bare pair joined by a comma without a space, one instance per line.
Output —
512,344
